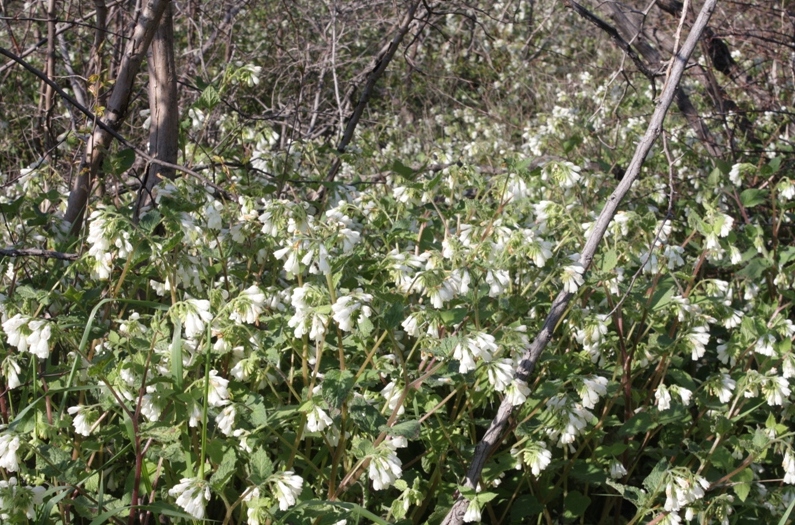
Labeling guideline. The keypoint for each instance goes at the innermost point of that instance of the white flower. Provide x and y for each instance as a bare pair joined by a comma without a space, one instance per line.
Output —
786,189
724,389
392,394
11,371
591,390
218,394
192,494
789,467
226,419
500,373
734,319
663,397
14,497
29,335
481,345
385,468
345,306
681,491
684,394
776,390
287,487
412,325
291,265
472,514
617,469
9,444
196,314
764,345
317,420
572,277
248,306
535,455
80,421
498,281
698,339
251,499
569,420
150,408
517,392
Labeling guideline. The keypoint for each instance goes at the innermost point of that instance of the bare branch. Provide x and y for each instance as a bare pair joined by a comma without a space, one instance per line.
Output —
35,252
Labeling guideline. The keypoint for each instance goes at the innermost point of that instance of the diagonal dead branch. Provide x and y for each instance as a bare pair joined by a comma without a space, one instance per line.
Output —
494,434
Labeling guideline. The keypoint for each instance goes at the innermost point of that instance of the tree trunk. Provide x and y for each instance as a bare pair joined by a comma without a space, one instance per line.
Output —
98,143
164,110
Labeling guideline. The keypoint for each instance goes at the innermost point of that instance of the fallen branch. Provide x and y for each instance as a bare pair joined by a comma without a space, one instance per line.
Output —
494,435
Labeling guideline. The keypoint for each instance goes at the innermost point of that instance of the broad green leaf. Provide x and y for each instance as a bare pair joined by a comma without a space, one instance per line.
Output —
742,483
225,470
575,504
260,466
403,170
209,98
336,386
406,429
753,197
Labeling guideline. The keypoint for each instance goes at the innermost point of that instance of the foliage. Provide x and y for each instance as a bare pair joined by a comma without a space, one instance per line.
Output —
273,358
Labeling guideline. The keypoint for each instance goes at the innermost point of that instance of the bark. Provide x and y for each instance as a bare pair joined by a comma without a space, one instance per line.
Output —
98,143
494,434
164,110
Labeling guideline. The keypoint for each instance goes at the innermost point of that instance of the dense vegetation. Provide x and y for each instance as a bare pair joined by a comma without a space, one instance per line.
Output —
309,316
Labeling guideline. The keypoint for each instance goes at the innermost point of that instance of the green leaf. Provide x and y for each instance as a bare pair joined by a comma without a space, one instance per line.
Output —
631,494
753,197
119,162
640,423
406,429
225,470
525,506
367,417
149,221
663,296
454,316
575,504
403,170
609,260
653,481
260,466
336,386
365,326
161,432
742,483
209,98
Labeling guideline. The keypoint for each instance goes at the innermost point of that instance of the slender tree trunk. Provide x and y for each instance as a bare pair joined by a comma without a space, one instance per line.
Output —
98,143
164,109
